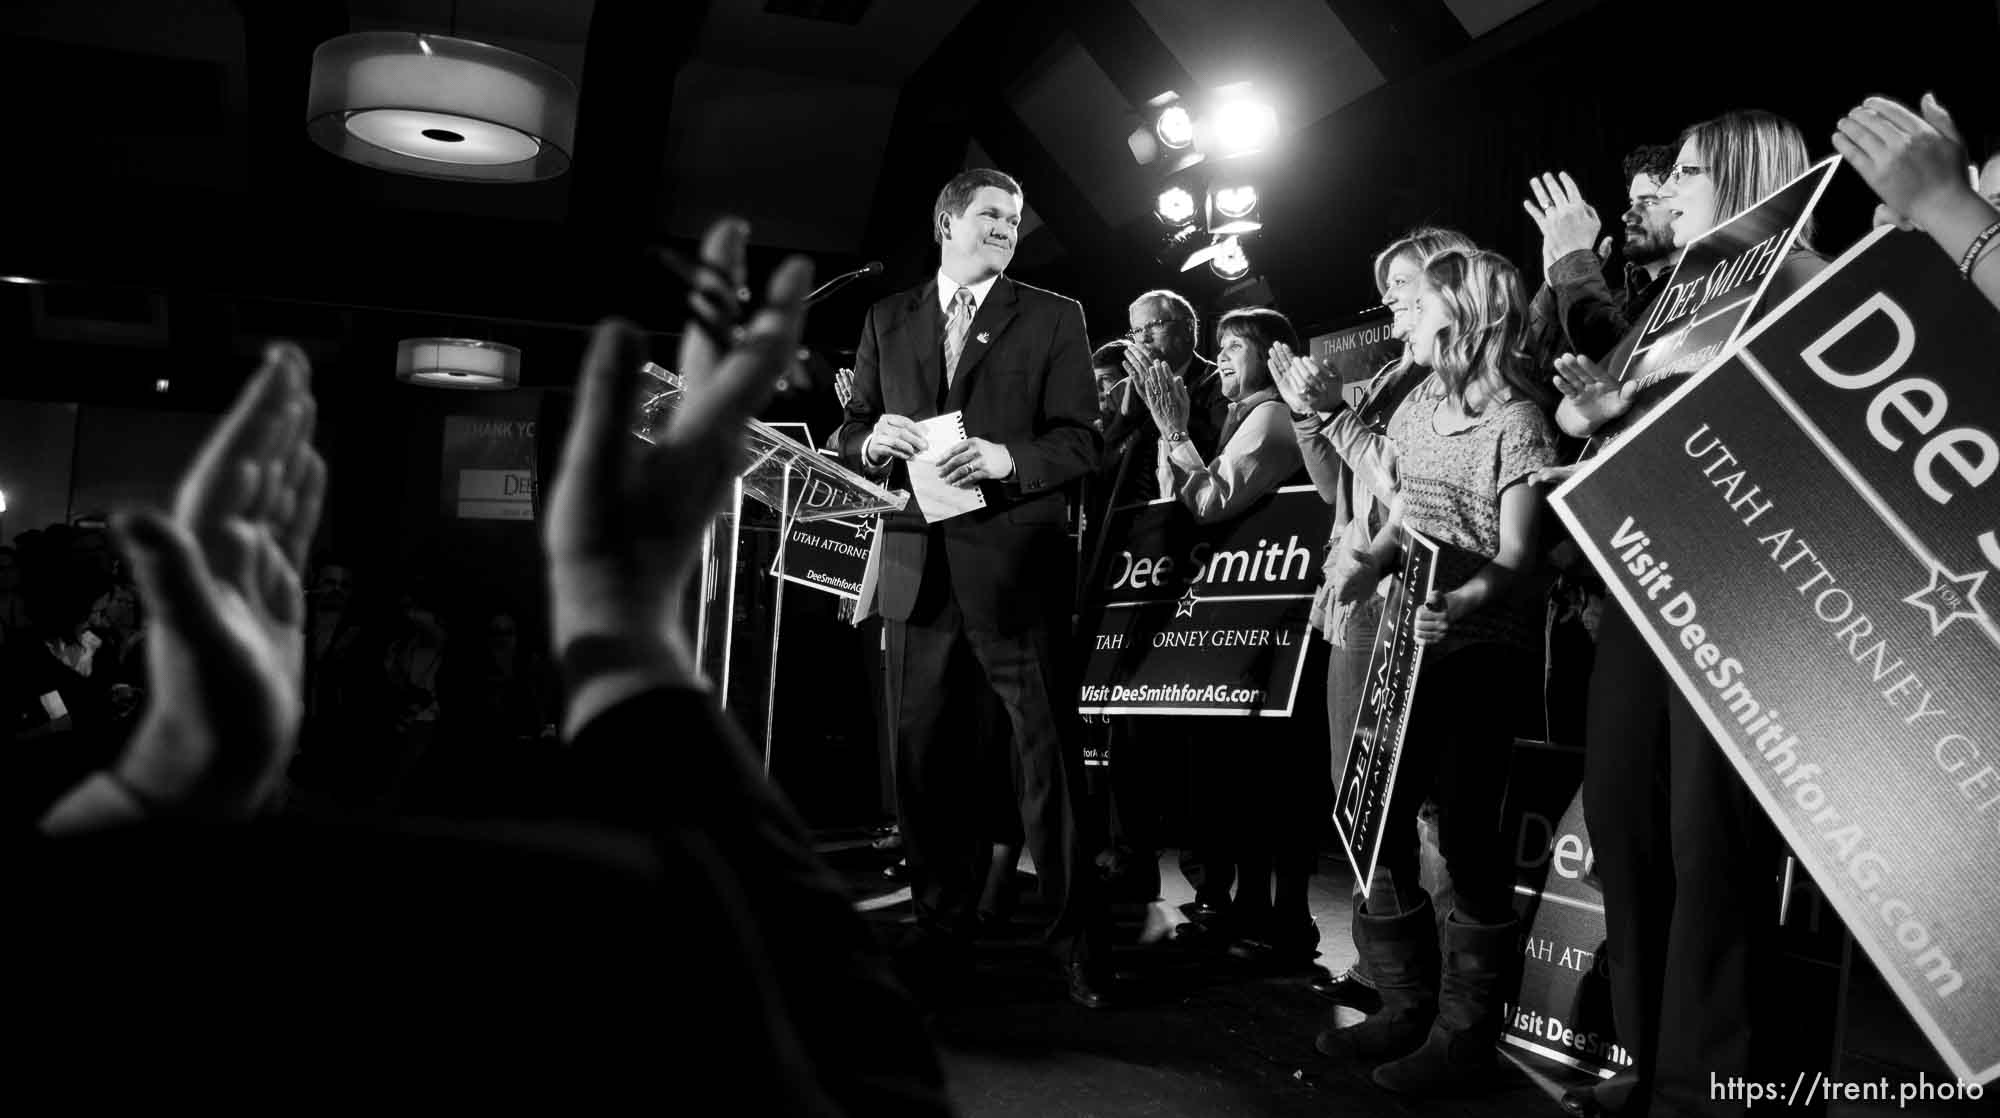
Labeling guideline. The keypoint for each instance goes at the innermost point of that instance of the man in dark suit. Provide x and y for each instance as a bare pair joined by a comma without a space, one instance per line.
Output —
990,590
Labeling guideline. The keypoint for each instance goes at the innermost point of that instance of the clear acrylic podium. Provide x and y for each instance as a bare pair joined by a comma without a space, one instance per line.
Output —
739,616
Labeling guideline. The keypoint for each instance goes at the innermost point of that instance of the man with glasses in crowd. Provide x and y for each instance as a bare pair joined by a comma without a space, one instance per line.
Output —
1578,312
1163,328
1576,299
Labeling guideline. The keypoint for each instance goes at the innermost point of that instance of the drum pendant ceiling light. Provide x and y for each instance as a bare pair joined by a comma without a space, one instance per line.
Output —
465,363
440,107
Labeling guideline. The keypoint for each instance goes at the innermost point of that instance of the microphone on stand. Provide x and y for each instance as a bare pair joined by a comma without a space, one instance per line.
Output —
797,378
872,268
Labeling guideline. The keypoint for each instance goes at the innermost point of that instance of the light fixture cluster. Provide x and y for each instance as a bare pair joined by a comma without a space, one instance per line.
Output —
1206,189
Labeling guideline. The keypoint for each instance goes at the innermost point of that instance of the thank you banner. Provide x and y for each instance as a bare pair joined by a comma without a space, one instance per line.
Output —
1357,352
1804,534
489,468
1368,779
1194,619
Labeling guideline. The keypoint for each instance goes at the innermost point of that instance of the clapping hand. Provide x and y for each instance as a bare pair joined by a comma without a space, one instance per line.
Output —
1916,164
1165,394
843,385
1568,223
626,517
220,579
1595,396
1355,574
1304,383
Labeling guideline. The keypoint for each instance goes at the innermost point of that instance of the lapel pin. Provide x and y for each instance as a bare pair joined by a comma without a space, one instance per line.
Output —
984,337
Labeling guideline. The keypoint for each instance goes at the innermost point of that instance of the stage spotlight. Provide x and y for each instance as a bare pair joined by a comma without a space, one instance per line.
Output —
1233,209
1230,262
1241,125
1175,205
1167,132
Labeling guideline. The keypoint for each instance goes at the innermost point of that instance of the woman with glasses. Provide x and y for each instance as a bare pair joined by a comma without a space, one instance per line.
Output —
1468,442
1686,859
1724,166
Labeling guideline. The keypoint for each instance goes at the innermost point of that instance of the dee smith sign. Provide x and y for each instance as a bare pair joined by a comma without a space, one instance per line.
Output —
1204,620
1806,535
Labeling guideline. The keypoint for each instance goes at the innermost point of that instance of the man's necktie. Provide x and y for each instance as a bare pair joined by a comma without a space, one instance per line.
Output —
956,328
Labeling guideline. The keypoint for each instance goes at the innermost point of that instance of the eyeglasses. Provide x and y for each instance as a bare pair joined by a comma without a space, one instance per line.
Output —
1139,332
1685,171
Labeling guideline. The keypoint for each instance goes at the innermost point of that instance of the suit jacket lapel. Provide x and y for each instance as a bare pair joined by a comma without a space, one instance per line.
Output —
987,323
923,335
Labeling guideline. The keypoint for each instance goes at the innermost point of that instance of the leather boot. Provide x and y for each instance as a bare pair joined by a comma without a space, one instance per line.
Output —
1401,952
1457,1057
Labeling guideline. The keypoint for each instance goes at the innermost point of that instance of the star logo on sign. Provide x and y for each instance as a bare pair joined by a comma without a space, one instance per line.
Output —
1949,597
1185,607
862,531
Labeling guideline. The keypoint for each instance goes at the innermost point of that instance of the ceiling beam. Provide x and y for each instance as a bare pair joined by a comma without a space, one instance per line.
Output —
1402,36
1125,46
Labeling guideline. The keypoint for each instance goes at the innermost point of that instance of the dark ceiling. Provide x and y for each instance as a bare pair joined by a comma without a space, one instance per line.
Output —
161,176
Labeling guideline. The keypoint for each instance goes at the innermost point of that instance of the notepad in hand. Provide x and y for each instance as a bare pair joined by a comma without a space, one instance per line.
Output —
938,498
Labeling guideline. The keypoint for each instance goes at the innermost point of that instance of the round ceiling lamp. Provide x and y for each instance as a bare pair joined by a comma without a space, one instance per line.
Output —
440,107
463,363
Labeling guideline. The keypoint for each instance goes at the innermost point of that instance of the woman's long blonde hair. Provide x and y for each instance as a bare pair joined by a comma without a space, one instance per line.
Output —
1749,154
1486,325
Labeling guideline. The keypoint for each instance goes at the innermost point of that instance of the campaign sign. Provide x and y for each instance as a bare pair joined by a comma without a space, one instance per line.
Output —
1194,619
827,555
1357,352
1708,300
1803,535
489,468
1562,1009
1361,803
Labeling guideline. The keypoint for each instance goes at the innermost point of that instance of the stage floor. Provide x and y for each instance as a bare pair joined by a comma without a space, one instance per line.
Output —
1200,1037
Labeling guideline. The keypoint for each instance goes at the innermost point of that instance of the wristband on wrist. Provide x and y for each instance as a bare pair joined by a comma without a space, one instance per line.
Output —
1981,244
1174,438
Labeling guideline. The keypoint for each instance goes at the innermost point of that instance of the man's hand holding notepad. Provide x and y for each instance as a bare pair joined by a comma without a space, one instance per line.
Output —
938,498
